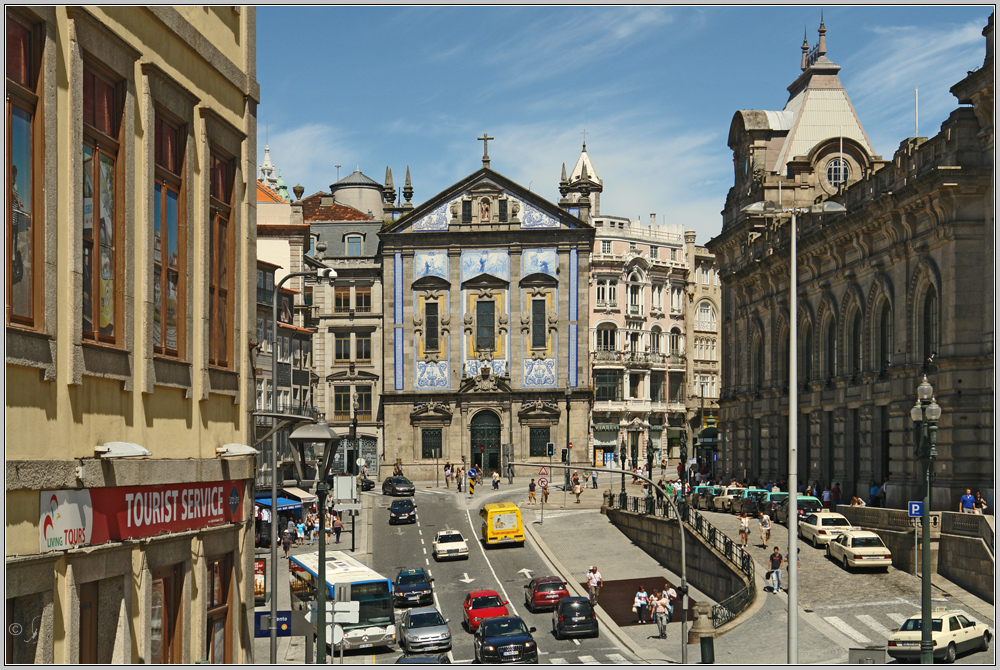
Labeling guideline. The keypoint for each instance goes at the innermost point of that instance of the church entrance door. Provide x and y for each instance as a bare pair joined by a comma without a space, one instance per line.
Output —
485,442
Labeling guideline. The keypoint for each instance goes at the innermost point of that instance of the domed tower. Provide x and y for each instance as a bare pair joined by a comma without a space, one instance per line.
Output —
360,192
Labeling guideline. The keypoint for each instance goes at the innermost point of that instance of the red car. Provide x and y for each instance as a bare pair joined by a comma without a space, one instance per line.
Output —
481,605
544,593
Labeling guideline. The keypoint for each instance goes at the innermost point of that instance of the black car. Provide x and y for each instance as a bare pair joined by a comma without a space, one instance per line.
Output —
804,504
752,502
574,616
402,511
397,486
412,587
504,639
704,501
367,484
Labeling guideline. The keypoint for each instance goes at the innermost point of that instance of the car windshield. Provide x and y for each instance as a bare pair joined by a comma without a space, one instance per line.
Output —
759,495
578,607
425,619
550,586
836,522
809,505
778,497
867,542
914,624
453,537
416,578
402,480
401,505
503,627
484,602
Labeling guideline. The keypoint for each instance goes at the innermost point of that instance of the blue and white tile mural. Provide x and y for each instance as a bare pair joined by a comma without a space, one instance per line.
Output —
398,357
541,372
499,367
481,261
542,261
432,375
532,217
573,342
430,264
435,220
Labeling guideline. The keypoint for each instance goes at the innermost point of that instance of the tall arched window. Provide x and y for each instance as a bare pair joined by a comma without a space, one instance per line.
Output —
807,354
675,342
930,323
831,349
884,337
706,316
857,357
758,363
654,340
606,338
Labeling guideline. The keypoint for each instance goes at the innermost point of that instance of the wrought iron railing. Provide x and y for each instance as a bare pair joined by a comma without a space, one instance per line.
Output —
731,607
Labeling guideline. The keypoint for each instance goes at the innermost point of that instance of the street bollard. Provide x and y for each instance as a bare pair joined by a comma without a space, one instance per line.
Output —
707,649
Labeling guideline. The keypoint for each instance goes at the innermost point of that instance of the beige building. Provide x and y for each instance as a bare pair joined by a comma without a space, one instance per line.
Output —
903,277
130,279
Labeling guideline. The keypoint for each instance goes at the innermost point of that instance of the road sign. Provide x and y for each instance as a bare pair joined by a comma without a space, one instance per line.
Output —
542,472
346,617
916,507
335,633
543,482
327,605
262,627
361,462
356,507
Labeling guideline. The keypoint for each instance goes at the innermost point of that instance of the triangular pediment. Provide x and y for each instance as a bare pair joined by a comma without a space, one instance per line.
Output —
484,281
344,375
539,279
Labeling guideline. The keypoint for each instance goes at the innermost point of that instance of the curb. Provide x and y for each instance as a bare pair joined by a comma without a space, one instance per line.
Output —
620,637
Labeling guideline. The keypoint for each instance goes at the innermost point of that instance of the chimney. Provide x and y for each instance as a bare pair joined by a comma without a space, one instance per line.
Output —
652,218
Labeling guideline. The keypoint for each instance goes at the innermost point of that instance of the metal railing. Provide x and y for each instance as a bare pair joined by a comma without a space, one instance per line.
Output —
731,607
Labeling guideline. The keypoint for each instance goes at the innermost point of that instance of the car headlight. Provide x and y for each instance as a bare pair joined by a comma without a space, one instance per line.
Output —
490,647
476,618
529,644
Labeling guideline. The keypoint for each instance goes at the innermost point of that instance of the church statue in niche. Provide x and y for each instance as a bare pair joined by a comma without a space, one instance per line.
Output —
484,210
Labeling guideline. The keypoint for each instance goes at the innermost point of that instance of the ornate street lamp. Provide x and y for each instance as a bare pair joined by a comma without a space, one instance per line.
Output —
925,415
622,460
324,444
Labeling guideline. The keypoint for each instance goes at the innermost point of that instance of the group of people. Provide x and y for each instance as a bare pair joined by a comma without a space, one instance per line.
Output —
763,524
972,504
298,530
658,607
469,477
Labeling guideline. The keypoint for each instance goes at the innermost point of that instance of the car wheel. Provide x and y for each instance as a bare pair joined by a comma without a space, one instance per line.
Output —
829,554
985,646
950,653
556,634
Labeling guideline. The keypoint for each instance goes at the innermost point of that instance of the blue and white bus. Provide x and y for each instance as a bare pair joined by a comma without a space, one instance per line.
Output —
347,579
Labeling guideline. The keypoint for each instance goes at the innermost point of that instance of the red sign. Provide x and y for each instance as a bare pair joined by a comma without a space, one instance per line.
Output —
542,472
259,583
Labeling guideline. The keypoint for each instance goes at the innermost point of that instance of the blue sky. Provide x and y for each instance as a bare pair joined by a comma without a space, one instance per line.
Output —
654,87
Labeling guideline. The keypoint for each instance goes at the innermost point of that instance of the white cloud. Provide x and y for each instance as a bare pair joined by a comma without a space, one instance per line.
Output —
306,154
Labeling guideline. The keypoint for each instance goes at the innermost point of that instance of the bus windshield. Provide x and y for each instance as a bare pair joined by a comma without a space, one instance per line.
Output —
376,606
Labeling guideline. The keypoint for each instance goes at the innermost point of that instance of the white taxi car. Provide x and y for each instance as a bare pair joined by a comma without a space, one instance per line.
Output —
449,544
951,630
723,502
821,527
859,548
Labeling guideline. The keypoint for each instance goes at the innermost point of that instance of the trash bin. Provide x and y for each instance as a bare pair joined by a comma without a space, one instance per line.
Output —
707,649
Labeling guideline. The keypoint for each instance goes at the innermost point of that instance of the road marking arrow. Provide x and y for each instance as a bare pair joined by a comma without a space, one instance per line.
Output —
527,572
466,578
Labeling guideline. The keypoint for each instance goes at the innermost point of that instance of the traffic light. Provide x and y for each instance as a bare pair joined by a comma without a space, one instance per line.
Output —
565,456
550,447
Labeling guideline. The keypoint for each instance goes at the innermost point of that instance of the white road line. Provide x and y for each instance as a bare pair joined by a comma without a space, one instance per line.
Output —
557,661
898,618
576,642
617,658
421,540
589,660
427,561
420,532
424,550
898,601
842,626
874,625
506,597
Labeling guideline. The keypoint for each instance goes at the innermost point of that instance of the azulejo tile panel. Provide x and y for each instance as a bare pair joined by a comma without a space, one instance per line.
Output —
398,358
574,266
434,220
535,261
397,280
430,264
432,375
532,217
573,344
477,262
541,372
473,367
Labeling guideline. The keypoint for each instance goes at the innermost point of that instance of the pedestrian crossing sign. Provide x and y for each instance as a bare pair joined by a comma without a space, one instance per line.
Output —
542,472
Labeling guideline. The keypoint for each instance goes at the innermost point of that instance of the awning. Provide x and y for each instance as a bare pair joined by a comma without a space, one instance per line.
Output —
298,493
283,503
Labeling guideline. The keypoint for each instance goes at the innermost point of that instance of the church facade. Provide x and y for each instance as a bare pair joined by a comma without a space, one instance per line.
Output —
486,328
897,287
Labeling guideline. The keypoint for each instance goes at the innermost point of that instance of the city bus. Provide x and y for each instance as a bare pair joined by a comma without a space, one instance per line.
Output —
347,579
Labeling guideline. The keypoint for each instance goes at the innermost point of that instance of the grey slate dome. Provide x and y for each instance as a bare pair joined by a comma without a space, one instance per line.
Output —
360,192
356,178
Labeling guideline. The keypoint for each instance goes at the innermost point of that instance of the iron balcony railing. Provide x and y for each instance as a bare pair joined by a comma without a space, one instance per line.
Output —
731,607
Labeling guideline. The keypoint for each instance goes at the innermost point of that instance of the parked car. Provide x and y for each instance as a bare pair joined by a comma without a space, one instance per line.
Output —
574,616
722,501
736,505
481,605
367,485
770,506
543,593
754,503
701,496
449,544
412,587
804,504
402,511
397,486
859,548
504,639
423,629
952,631
821,527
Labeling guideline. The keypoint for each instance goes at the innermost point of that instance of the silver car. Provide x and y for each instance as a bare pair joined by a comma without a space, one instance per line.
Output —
423,629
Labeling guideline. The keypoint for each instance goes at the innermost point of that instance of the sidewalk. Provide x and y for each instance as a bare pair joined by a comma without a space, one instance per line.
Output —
293,649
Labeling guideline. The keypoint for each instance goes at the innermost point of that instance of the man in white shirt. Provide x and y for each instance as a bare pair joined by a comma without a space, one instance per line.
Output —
671,599
594,583
765,529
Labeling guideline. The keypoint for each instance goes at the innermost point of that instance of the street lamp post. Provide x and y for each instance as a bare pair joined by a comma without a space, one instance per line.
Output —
322,274
318,434
768,208
623,468
925,415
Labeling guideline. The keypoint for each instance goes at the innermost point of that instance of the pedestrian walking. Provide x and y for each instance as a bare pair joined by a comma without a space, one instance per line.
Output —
300,533
531,492
641,601
338,528
764,521
774,570
447,475
594,583
980,504
593,478
496,481
577,489
873,494
545,493
671,596
659,611
663,467
286,542
835,496
967,503
826,497
744,529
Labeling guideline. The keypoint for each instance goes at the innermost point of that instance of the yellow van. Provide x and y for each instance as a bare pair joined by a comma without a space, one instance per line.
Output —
502,524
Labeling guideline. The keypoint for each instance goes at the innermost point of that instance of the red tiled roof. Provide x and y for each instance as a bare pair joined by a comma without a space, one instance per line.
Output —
312,210
265,194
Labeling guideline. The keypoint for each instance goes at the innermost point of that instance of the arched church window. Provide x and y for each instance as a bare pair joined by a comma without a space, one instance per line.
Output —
837,171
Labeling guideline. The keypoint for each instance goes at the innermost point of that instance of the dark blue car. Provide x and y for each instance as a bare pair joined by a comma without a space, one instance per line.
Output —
504,639
412,587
